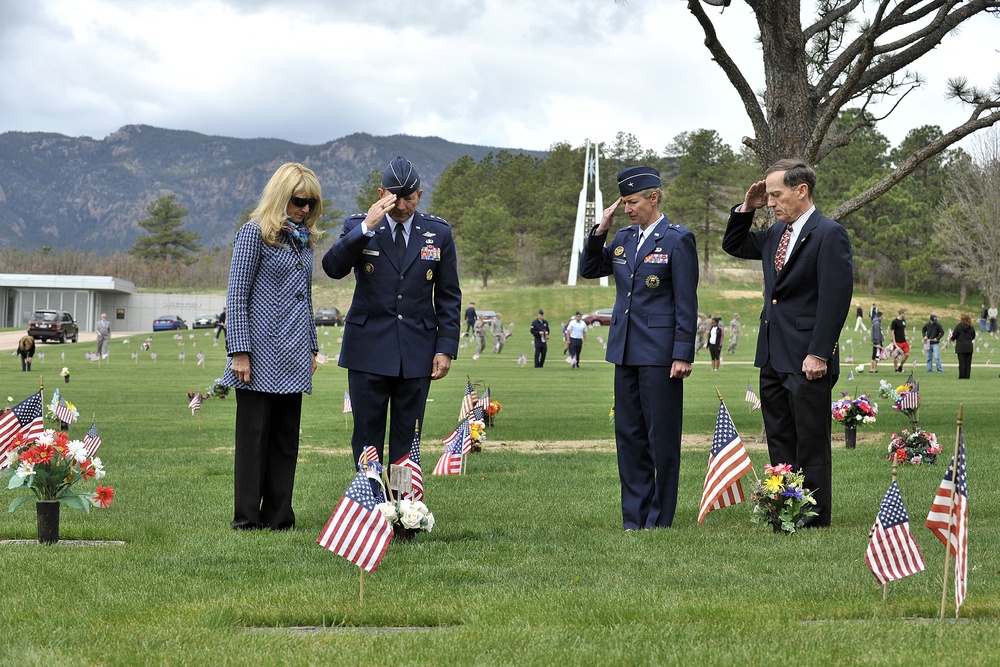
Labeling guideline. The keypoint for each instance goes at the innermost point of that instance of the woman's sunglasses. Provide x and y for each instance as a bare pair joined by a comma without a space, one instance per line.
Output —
302,202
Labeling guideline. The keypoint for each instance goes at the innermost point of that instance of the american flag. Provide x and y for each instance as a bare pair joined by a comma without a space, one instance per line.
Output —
195,403
752,399
92,440
468,401
23,421
450,462
63,413
727,463
368,455
892,552
356,529
201,358
484,400
850,376
412,461
911,398
951,527
347,402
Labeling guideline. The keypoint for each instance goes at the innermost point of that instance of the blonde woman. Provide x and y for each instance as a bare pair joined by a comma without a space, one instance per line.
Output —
271,343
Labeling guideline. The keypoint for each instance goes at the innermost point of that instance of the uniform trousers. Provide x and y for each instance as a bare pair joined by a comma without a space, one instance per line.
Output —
798,426
541,349
372,397
267,447
648,410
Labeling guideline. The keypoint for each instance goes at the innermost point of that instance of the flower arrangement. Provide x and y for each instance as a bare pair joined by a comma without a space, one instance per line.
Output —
477,433
51,466
780,500
852,412
914,447
491,410
50,409
860,368
217,390
611,415
407,517
65,373
898,397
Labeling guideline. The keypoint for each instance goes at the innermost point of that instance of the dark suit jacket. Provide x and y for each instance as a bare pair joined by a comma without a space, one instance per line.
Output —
805,306
656,308
400,317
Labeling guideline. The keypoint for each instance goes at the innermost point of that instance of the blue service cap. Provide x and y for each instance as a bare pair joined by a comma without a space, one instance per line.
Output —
637,179
400,178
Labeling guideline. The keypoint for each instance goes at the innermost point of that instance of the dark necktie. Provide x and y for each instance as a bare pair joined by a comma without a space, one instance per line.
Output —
400,244
779,257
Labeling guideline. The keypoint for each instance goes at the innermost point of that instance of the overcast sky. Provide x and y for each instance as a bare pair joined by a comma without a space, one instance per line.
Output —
510,73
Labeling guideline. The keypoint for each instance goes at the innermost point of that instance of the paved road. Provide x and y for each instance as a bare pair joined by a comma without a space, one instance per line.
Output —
88,339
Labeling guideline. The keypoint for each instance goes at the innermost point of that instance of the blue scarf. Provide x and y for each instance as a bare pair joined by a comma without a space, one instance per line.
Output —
299,233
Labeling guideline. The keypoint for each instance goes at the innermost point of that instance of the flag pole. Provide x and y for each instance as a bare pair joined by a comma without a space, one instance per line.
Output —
719,394
361,589
951,510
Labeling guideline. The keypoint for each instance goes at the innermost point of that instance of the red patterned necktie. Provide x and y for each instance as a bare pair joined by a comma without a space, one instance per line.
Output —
779,257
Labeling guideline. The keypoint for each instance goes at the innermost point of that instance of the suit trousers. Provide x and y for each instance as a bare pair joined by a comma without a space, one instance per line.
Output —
267,447
575,350
798,427
541,349
372,397
648,410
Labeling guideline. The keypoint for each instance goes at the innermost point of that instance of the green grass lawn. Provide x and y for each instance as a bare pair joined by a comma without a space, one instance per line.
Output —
527,564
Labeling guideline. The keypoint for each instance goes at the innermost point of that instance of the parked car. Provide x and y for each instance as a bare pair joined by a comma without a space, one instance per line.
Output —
328,317
600,317
169,323
205,321
487,315
47,325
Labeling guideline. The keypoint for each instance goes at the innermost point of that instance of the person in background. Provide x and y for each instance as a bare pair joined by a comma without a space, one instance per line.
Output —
103,335
715,342
859,319
651,341
899,341
984,318
220,325
871,313
992,313
271,344
470,317
933,332
878,340
808,283
540,332
735,331
499,335
576,331
479,332
963,335
402,329
25,350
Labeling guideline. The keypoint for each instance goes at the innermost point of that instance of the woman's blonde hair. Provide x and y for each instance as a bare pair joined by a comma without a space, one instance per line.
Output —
272,209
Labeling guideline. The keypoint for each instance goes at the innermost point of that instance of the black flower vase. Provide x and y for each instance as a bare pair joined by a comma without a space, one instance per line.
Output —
403,534
47,514
850,437
66,377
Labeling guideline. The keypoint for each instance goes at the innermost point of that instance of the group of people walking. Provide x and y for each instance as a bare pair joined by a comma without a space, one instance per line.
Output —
933,335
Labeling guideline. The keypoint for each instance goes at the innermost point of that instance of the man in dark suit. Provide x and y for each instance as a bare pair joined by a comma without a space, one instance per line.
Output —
808,283
470,317
650,342
403,326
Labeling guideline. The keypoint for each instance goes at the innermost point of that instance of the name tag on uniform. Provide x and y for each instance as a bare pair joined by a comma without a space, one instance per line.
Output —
431,253
366,251
656,258
616,260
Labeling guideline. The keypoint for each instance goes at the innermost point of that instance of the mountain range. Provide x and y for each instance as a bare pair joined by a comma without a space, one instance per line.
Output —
89,194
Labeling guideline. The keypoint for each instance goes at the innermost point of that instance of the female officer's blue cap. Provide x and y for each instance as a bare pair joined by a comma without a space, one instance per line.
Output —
637,179
400,178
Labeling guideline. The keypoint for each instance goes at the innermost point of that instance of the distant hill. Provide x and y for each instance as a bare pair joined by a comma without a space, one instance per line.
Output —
87,194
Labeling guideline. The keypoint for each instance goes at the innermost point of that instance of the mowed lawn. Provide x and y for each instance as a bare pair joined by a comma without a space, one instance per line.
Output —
527,564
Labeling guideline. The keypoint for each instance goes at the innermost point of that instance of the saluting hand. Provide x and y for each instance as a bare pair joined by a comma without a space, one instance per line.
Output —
378,210
756,197
607,216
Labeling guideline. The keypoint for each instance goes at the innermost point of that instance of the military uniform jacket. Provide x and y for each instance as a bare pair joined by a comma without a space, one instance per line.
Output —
269,303
656,308
806,305
401,316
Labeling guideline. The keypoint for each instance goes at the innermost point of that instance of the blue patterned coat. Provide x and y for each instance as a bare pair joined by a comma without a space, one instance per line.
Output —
269,313
400,317
656,308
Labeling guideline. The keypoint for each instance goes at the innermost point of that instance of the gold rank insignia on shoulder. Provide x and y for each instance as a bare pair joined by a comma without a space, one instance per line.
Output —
369,268
430,274
619,251
652,282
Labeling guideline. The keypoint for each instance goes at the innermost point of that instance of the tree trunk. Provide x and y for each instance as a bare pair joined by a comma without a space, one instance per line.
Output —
963,293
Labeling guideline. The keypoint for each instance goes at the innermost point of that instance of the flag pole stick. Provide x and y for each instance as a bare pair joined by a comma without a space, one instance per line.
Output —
895,476
951,510
719,394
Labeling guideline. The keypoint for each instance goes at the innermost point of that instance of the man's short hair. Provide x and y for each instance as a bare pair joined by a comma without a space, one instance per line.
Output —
797,171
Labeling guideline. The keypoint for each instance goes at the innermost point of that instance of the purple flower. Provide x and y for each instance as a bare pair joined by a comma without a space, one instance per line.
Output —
792,492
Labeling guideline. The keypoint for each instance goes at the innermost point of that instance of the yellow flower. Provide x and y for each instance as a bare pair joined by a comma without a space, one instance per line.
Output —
774,483
903,387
